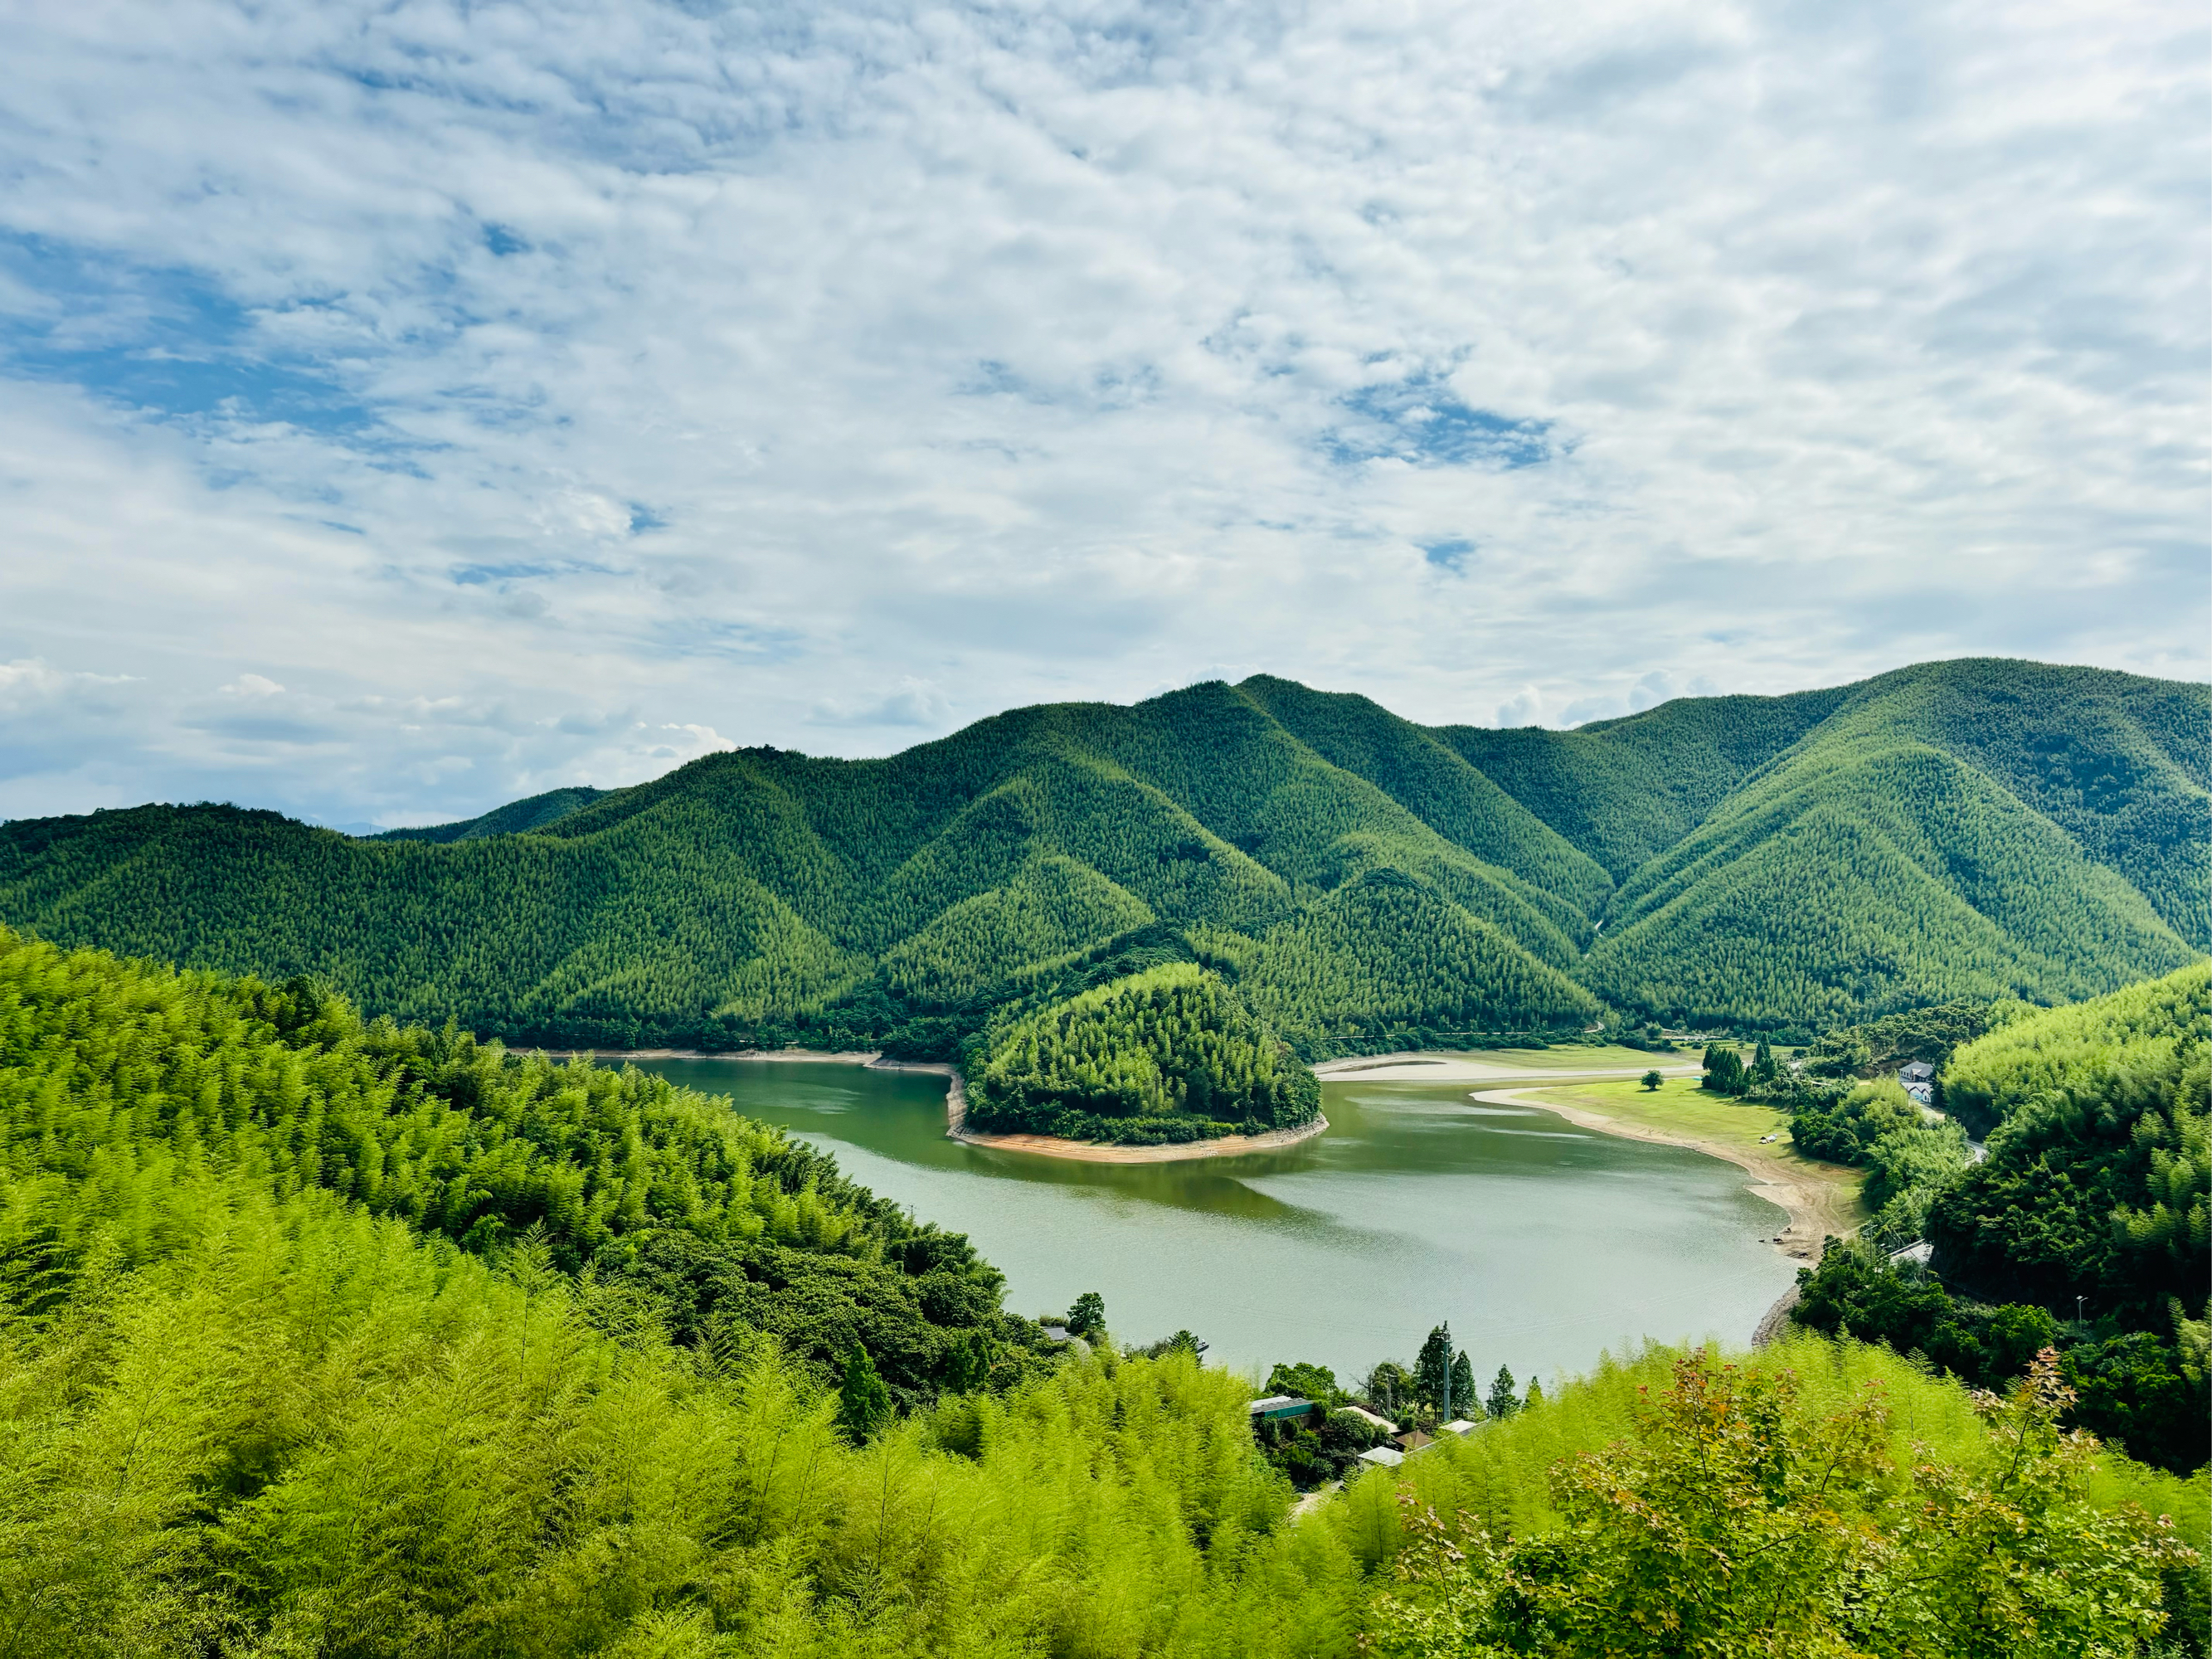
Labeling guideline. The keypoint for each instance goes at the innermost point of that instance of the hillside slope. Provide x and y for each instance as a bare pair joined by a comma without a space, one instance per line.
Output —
1965,828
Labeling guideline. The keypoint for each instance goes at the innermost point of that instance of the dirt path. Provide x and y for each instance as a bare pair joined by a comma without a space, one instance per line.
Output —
1817,1207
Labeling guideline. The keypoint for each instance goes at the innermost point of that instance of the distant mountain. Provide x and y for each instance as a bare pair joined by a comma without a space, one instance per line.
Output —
515,818
1962,829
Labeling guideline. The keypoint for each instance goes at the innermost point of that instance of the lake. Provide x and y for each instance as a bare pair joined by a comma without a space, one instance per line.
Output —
1543,1243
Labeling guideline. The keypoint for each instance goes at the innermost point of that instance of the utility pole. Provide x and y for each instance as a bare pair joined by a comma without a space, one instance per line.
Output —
1447,1369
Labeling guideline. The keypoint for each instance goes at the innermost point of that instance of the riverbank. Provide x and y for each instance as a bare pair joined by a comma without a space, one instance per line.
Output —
1532,1066
870,1058
956,1109
1096,1151
1822,1200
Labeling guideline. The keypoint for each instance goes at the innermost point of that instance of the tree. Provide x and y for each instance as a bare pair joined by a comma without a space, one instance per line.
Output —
1725,1072
1502,1403
1535,1397
1652,1080
967,1364
864,1403
1390,1387
1087,1318
1433,1368
1464,1400
1306,1382
1736,1521
1764,1067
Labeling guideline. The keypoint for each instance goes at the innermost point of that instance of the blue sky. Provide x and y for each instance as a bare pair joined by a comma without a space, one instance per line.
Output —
408,407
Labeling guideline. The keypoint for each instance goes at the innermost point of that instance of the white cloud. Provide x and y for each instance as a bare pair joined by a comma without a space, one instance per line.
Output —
510,389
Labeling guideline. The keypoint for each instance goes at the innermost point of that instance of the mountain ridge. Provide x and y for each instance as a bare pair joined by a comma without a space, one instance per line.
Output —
1974,827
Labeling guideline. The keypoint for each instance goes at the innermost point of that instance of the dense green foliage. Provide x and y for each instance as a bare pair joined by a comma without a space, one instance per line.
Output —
119,1078
1880,1045
1168,1053
1877,1126
2100,1167
2086,1225
256,1397
1974,830
1743,1514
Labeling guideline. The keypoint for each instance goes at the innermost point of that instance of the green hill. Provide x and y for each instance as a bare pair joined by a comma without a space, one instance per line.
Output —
1963,829
2084,1229
1169,1053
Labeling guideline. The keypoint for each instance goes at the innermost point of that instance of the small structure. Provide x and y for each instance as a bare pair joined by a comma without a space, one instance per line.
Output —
1918,1071
1280,1408
1387,1457
1923,1094
1382,1425
1054,1331
1920,1251
1413,1440
1458,1425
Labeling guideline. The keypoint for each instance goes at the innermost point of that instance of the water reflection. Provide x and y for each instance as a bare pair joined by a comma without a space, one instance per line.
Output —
1542,1243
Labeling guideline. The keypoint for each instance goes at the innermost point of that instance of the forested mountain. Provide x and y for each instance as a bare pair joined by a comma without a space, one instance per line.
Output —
1964,829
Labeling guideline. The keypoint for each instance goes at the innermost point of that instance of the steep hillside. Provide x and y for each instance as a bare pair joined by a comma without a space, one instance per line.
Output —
1624,790
1900,853
1958,829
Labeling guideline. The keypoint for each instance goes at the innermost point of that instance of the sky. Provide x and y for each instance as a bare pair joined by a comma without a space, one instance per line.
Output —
409,406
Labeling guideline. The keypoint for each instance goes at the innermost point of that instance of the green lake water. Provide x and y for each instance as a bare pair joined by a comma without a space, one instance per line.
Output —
1542,1243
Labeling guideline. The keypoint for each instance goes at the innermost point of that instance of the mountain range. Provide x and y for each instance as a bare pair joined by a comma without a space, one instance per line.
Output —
1971,828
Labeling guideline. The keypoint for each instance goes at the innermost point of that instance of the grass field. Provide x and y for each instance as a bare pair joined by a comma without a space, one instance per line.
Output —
1679,1110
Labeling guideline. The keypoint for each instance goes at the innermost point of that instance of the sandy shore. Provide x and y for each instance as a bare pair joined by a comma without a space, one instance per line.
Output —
1450,1069
1817,1209
1094,1151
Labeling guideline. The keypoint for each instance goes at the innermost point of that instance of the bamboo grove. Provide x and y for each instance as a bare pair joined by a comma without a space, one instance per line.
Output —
274,1384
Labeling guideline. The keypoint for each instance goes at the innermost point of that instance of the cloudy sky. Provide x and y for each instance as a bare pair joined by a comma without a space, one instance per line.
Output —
408,406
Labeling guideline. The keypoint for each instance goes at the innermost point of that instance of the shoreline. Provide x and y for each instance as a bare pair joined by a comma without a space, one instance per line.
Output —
1101,1151
870,1058
956,1109
1805,1201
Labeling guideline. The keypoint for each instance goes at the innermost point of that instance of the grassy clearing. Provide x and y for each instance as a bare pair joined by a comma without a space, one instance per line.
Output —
1679,1109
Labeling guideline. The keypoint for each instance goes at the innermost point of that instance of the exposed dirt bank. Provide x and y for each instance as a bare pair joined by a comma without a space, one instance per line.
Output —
1093,1152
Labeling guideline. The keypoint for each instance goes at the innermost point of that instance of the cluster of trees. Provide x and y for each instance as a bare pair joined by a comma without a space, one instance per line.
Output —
1437,1388
272,1386
1878,1047
116,1077
1768,1509
1909,1157
1912,844
1782,863
2084,1227
1170,1052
